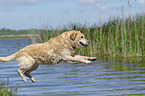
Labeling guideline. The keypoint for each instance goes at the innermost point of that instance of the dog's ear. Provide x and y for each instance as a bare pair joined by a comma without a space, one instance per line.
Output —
73,36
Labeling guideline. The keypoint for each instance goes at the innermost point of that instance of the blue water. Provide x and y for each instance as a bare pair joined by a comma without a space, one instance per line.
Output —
104,77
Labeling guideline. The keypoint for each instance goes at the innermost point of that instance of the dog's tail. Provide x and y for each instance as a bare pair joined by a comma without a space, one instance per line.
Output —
8,58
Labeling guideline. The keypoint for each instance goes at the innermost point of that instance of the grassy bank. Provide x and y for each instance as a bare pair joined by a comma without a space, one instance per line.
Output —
19,36
124,37
6,90
12,34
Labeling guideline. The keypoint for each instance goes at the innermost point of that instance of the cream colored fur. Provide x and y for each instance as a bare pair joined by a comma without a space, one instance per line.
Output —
53,51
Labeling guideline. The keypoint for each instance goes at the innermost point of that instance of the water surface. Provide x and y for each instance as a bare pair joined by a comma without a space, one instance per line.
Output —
103,77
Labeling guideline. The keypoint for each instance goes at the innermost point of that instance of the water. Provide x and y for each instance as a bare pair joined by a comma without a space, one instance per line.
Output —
103,77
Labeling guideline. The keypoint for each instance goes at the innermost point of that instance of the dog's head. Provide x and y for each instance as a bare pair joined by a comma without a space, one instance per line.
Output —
78,39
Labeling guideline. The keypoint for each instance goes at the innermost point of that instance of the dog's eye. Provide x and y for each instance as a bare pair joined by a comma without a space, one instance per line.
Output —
82,36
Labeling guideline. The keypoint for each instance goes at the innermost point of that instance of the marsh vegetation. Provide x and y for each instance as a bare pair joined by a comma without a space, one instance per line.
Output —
123,37
6,90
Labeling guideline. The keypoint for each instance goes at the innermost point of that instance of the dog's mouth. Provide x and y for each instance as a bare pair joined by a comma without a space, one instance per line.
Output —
82,44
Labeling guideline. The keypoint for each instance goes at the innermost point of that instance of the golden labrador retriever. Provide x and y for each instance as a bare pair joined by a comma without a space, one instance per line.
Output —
53,51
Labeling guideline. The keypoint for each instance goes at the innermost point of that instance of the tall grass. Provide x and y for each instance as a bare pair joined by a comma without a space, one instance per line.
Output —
6,90
122,37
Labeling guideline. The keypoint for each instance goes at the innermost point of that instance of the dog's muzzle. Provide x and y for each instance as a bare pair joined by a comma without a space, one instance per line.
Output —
84,45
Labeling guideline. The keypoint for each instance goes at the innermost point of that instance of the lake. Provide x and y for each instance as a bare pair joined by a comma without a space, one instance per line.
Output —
103,77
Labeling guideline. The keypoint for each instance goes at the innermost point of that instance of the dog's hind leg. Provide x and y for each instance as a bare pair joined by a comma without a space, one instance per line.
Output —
20,72
27,73
26,62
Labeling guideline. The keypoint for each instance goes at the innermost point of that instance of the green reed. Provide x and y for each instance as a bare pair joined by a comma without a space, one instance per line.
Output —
6,90
122,37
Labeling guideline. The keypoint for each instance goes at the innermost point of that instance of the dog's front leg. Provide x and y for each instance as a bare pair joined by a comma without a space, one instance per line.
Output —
85,57
76,59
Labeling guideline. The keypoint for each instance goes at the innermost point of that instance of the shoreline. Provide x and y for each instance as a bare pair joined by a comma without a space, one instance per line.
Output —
18,36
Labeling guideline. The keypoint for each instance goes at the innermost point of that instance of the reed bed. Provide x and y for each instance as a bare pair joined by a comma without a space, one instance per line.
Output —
119,37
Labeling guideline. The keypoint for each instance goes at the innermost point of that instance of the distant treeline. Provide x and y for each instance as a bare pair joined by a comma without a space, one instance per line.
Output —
5,31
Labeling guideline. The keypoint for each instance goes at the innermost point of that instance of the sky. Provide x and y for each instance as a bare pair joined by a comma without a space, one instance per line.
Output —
52,14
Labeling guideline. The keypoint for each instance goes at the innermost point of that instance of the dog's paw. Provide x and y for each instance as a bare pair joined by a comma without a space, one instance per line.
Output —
87,61
92,58
24,80
32,79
